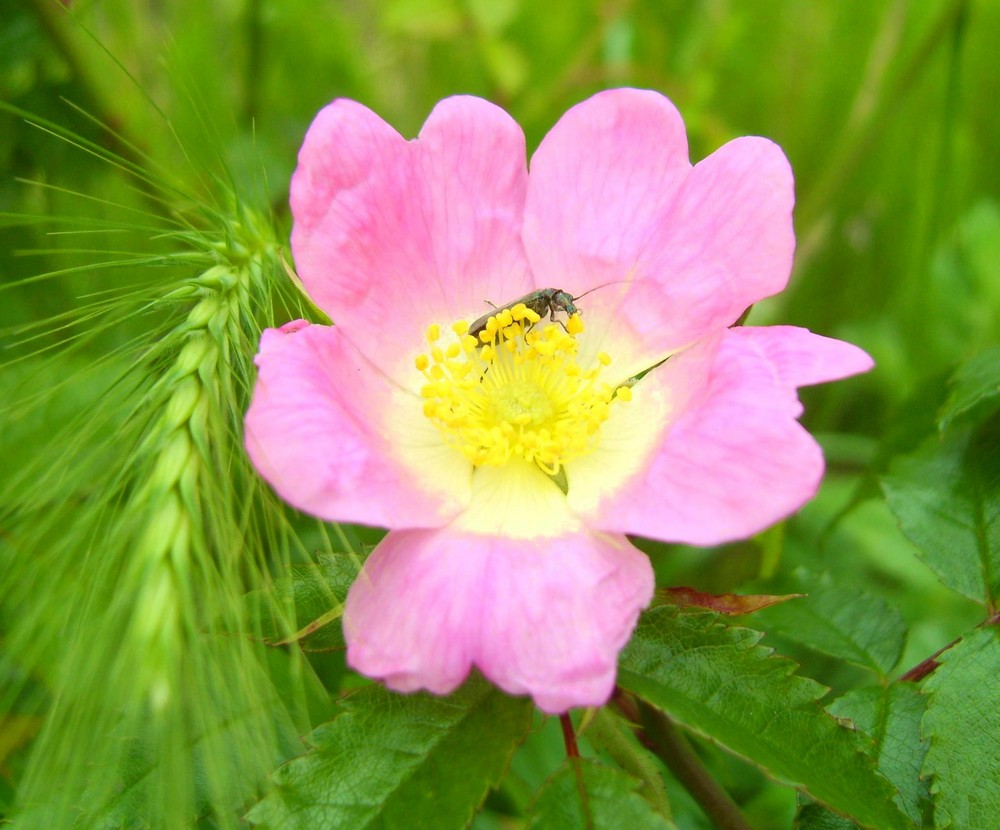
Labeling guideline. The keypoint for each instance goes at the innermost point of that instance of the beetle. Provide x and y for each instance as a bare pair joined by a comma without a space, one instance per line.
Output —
543,301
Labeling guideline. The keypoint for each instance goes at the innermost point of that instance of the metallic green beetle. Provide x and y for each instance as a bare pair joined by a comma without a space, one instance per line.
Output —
542,302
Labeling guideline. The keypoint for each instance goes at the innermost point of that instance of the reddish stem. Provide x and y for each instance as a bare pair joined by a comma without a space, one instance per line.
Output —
569,736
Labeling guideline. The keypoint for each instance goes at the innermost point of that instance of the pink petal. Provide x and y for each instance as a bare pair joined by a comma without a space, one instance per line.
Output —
733,459
391,235
728,240
605,169
802,358
316,432
341,152
540,617
612,199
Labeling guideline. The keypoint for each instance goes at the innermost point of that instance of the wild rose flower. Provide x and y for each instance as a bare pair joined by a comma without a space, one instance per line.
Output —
510,463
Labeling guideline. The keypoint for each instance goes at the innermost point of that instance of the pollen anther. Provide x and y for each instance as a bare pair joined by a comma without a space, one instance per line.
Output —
518,391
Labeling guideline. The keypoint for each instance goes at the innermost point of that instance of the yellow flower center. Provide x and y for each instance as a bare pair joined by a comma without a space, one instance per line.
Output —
516,391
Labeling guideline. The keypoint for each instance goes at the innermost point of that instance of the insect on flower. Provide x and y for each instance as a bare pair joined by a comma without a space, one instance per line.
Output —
542,302
511,457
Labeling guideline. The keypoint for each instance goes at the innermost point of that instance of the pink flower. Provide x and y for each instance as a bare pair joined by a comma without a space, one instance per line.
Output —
509,471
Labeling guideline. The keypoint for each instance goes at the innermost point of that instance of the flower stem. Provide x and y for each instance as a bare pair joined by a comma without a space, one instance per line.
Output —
673,749
573,758
569,736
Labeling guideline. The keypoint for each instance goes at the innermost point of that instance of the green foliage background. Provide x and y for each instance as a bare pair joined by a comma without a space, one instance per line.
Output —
146,574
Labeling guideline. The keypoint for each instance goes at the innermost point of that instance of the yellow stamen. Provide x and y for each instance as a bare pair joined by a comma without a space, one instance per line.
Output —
518,391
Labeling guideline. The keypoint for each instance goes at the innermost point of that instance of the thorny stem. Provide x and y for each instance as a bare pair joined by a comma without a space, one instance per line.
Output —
926,666
660,736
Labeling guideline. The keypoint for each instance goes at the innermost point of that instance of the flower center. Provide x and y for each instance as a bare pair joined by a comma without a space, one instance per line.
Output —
516,390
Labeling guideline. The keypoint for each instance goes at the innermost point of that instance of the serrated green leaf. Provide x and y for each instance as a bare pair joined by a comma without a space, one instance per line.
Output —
962,289
612,801
946,498
890,716
316,593
961,726
974,388
817,817
719,682
390,760
839,621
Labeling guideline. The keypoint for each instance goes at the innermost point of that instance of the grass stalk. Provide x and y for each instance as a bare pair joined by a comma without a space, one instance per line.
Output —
128,564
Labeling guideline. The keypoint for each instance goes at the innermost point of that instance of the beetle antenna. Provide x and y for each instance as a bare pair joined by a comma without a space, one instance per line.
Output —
602,285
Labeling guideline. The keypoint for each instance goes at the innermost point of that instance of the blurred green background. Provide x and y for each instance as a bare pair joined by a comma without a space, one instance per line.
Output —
886,109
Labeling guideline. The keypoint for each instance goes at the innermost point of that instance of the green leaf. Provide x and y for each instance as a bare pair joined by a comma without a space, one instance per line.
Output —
720,683
817,817
962,295
975,387
390,760
961,725
946,497
890,716
609,801
306,604
839,621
